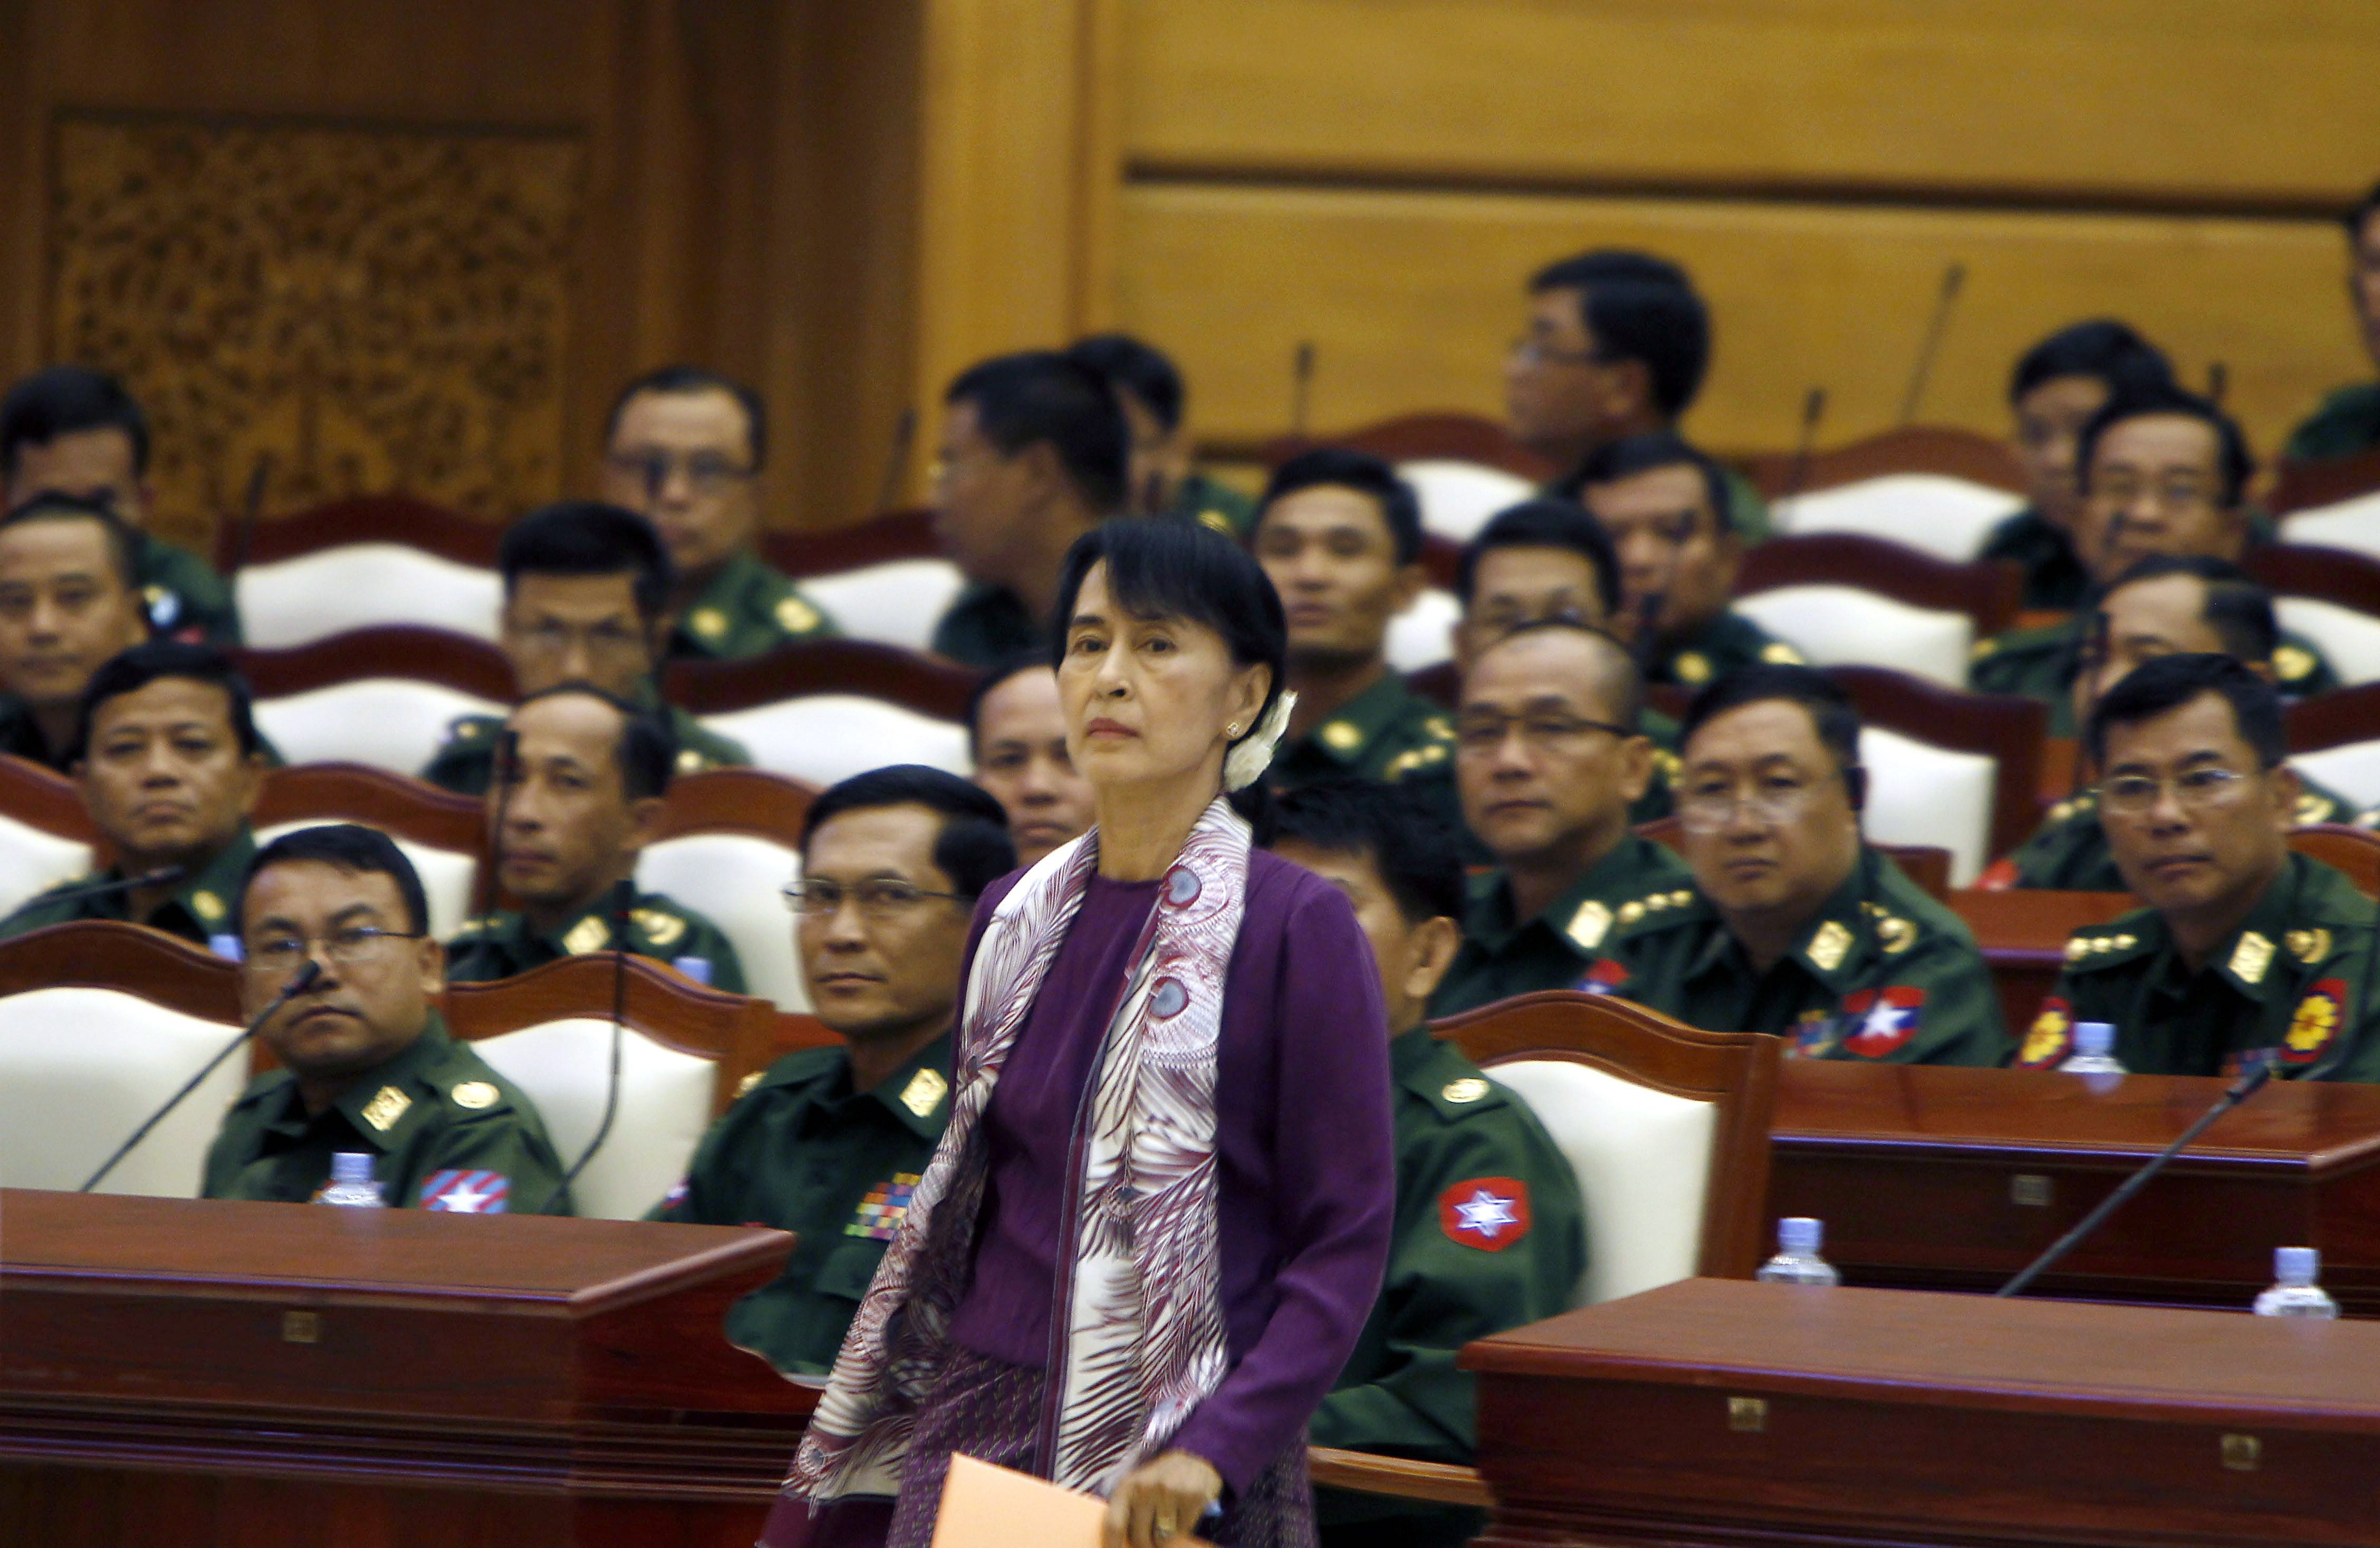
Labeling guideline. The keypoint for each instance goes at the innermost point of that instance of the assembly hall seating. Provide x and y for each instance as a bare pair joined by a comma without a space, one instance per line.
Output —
383,696
822,712
1929,487
353,563
442,833
729,844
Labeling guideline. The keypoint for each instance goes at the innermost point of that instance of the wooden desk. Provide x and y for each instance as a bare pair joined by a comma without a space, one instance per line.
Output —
223,1375
2023,938
1714,1412
1955,1178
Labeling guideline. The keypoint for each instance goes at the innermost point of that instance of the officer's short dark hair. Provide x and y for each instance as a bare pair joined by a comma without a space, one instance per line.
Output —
1344,468
694,379
2102,348
349,847
122,543
130,671
2237,610
1829,707
1040,394
973,849
587,537
1138,368
63,400
1625,674
2234,465
1632,454
1544,522
2168,683
1638,307
2355,218
647,746
1031,660
1412,849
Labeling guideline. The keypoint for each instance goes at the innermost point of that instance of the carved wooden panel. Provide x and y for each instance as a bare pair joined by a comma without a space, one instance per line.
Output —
377,308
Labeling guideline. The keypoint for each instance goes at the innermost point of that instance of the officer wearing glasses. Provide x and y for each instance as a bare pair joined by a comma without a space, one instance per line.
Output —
684,448
2245,949
366,1064
1794,925
829,1143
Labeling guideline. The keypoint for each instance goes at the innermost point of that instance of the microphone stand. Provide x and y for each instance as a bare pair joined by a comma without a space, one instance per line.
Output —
1952,278
623,895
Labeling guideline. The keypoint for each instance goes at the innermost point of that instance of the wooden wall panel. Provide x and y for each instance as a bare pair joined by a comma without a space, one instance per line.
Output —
1411,298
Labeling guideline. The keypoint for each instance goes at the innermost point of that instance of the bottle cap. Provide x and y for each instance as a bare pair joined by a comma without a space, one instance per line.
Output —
2094,1037
2295,1265
351,1167
1799,1234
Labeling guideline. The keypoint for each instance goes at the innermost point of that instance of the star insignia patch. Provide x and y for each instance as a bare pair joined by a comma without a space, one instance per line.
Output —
1341,736
2315,1025
1692,666
1490,1214
467,1192
207,905
1888,1021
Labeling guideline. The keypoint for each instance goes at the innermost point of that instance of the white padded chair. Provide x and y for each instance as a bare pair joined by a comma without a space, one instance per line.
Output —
389,723
356,585
1922,794
820,739
33,860
2353,769
1837,625
446,874
80,1069
737,881
1946,517
1457,498
897,601
1423,635
2351,640
2354,524
664,1106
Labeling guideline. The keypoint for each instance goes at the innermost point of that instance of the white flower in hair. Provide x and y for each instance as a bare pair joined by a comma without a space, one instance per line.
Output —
1246,763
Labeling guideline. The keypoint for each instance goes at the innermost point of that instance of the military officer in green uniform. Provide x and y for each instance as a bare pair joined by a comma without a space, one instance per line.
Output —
76,432
586,794
1664,504
585,587
1491,1232
1548,763
169,766
2349,419
2244,949
1162,482
368,1065
1034,451
68,601
684,448
829,1143
1794,925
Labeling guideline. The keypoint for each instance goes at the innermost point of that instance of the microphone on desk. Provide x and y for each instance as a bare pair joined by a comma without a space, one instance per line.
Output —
156,878
2251,1078
299,982
623,897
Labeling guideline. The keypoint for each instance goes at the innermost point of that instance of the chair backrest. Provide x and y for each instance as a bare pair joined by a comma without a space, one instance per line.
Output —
1989,592
730,843
880,539
2351,768
1457,498
1666,1126
45,835
2008,731
318,595
1442,437
394,723
2304,485
1924,864
98,1024
1948,517
684,1051
1423,635
1922,794
443,833
1946,451
2353,850
2349,637
2352,523
926,684
403,520
896,603
1849,625
2331,741
830,737
470,666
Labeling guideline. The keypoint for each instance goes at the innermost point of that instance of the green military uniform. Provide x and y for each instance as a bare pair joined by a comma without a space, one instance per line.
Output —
2055,580
2348,422
748,609
465,760
186,599
1213,503
2287,982
2040,662
986,625
443,1129
2068,851
1561,947
200,909
504,943
1490,1235
1880,971
805,1152
1385,733
1726,643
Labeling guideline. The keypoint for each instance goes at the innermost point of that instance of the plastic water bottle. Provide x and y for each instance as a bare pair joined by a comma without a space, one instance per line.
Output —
1797,1260
351,1184
2095,1050
2294,1293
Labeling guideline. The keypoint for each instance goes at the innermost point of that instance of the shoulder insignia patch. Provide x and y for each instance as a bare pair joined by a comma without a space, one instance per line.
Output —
2308,946
467,1192
1588,925
387,1106
474,1094
795,616
1692,666
1604,978
2050,1038
1889,1019
708,622
660,926
1490,1214
2315,1025
588,934
924,1091
2292,663
2063,811
1469,1089
2251,958
1629,912
1340,736
1778,654
1439,728
1814,1034
1827,946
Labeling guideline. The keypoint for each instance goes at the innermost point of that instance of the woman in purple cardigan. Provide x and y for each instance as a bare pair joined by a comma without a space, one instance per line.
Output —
1160,1215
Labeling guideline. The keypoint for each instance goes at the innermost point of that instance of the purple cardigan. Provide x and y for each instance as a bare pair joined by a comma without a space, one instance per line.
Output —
1307,1165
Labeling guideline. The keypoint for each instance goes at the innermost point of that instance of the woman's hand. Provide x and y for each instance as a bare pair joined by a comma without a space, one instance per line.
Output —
1159,1503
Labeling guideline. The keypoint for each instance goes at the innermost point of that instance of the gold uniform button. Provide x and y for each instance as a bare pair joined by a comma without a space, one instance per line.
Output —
1778,654
1341,736
796,617
207,905
1692,666
708,622
474,1094
1469,1089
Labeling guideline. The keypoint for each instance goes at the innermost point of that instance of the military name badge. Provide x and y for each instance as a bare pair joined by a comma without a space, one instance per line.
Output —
2051,1037
1888,1020
1490,1214
1604,978
467,1192
2315,1025
881,1212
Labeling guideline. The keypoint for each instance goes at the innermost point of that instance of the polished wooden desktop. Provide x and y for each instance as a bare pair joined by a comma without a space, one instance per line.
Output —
1955,1178
235,1375
1724,1414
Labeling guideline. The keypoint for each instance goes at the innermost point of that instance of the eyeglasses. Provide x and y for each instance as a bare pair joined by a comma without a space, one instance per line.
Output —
1484,731
706,472
881,899
2135,795
1775,804
348,946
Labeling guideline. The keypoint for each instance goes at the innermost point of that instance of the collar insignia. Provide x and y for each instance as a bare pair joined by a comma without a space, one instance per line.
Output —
796,617
1827,946
2251,958
1897,934
661,929
207,905
588,934
1215,521
386,1106
1340,737
1692,666
1778,654
2293,661
1587,926
924,1092
744,1086
1469,1089
708,622
2308,946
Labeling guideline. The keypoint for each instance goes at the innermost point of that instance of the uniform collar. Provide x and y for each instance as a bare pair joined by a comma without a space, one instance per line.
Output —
1344,737
2253,957
386,1103
711,616
1834,945
588,931
917,1094
208,897
1579,918
1411,1053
